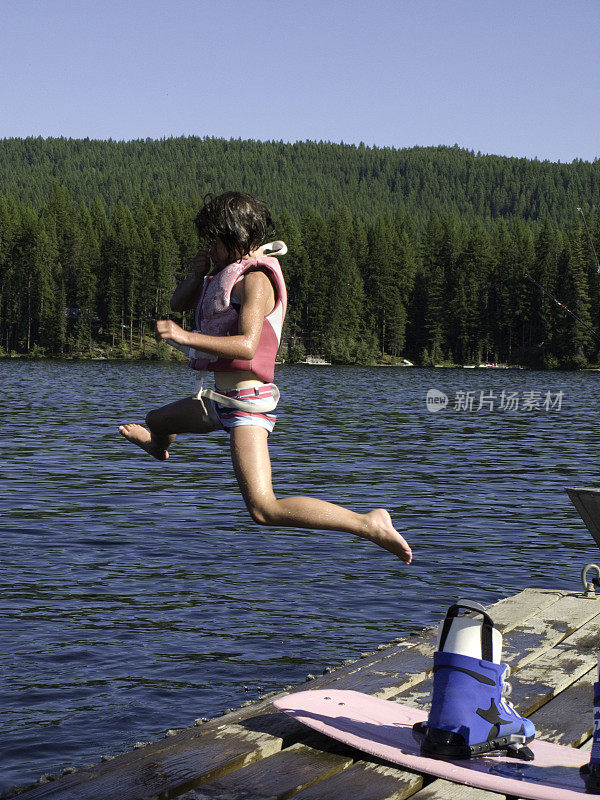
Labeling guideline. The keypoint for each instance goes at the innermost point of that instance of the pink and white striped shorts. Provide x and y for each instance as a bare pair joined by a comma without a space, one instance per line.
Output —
232,417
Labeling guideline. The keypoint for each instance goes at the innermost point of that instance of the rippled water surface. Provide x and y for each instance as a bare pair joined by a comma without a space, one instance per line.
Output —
138,595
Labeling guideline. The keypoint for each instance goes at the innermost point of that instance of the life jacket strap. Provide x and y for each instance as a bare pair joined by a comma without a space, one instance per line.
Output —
258,405
189,352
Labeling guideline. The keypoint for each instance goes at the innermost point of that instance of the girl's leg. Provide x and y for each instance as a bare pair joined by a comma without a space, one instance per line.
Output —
250,456
189,415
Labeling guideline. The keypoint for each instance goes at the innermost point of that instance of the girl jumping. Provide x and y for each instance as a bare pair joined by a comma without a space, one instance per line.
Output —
239,296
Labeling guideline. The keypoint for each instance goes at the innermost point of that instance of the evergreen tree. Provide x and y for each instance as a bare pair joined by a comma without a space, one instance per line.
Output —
469,336
343,327
314,238
547,250
575,290
49,322
87,261
439,247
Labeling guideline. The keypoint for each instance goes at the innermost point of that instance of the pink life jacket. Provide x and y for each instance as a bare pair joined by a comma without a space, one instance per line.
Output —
216,316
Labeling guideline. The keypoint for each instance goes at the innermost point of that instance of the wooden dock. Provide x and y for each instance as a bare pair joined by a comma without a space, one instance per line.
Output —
551,641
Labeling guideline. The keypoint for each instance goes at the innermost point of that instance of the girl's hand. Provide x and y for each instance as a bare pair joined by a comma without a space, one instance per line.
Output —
201,263
167,329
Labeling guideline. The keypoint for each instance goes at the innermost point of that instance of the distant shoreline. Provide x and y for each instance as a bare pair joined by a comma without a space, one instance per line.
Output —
182,362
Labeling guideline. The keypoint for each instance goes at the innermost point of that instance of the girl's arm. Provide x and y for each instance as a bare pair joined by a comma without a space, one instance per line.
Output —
187,293
257,299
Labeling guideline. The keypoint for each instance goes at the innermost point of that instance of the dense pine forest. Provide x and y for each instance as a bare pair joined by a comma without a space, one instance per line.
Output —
422,253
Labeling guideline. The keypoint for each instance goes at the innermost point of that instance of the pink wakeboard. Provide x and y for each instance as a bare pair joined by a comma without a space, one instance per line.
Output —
383,728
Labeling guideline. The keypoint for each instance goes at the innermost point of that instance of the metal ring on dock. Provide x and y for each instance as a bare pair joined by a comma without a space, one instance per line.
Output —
589,587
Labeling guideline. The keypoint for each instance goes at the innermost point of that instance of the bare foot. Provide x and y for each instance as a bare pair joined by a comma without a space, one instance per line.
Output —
382,532
143,438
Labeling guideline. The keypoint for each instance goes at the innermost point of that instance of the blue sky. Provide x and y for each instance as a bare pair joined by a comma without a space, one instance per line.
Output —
499,76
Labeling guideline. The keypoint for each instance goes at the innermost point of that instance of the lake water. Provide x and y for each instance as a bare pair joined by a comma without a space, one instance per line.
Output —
138,595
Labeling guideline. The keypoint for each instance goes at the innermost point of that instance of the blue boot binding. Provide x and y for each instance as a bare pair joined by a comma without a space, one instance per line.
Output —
470,715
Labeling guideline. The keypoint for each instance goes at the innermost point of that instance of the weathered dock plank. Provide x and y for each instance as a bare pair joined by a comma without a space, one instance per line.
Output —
545,630
363,781
169,766
539,682
367,781
278,776
567,718
586,745
518,608
446,790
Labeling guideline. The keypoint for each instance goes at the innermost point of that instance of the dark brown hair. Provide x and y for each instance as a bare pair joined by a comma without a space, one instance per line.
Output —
240,221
